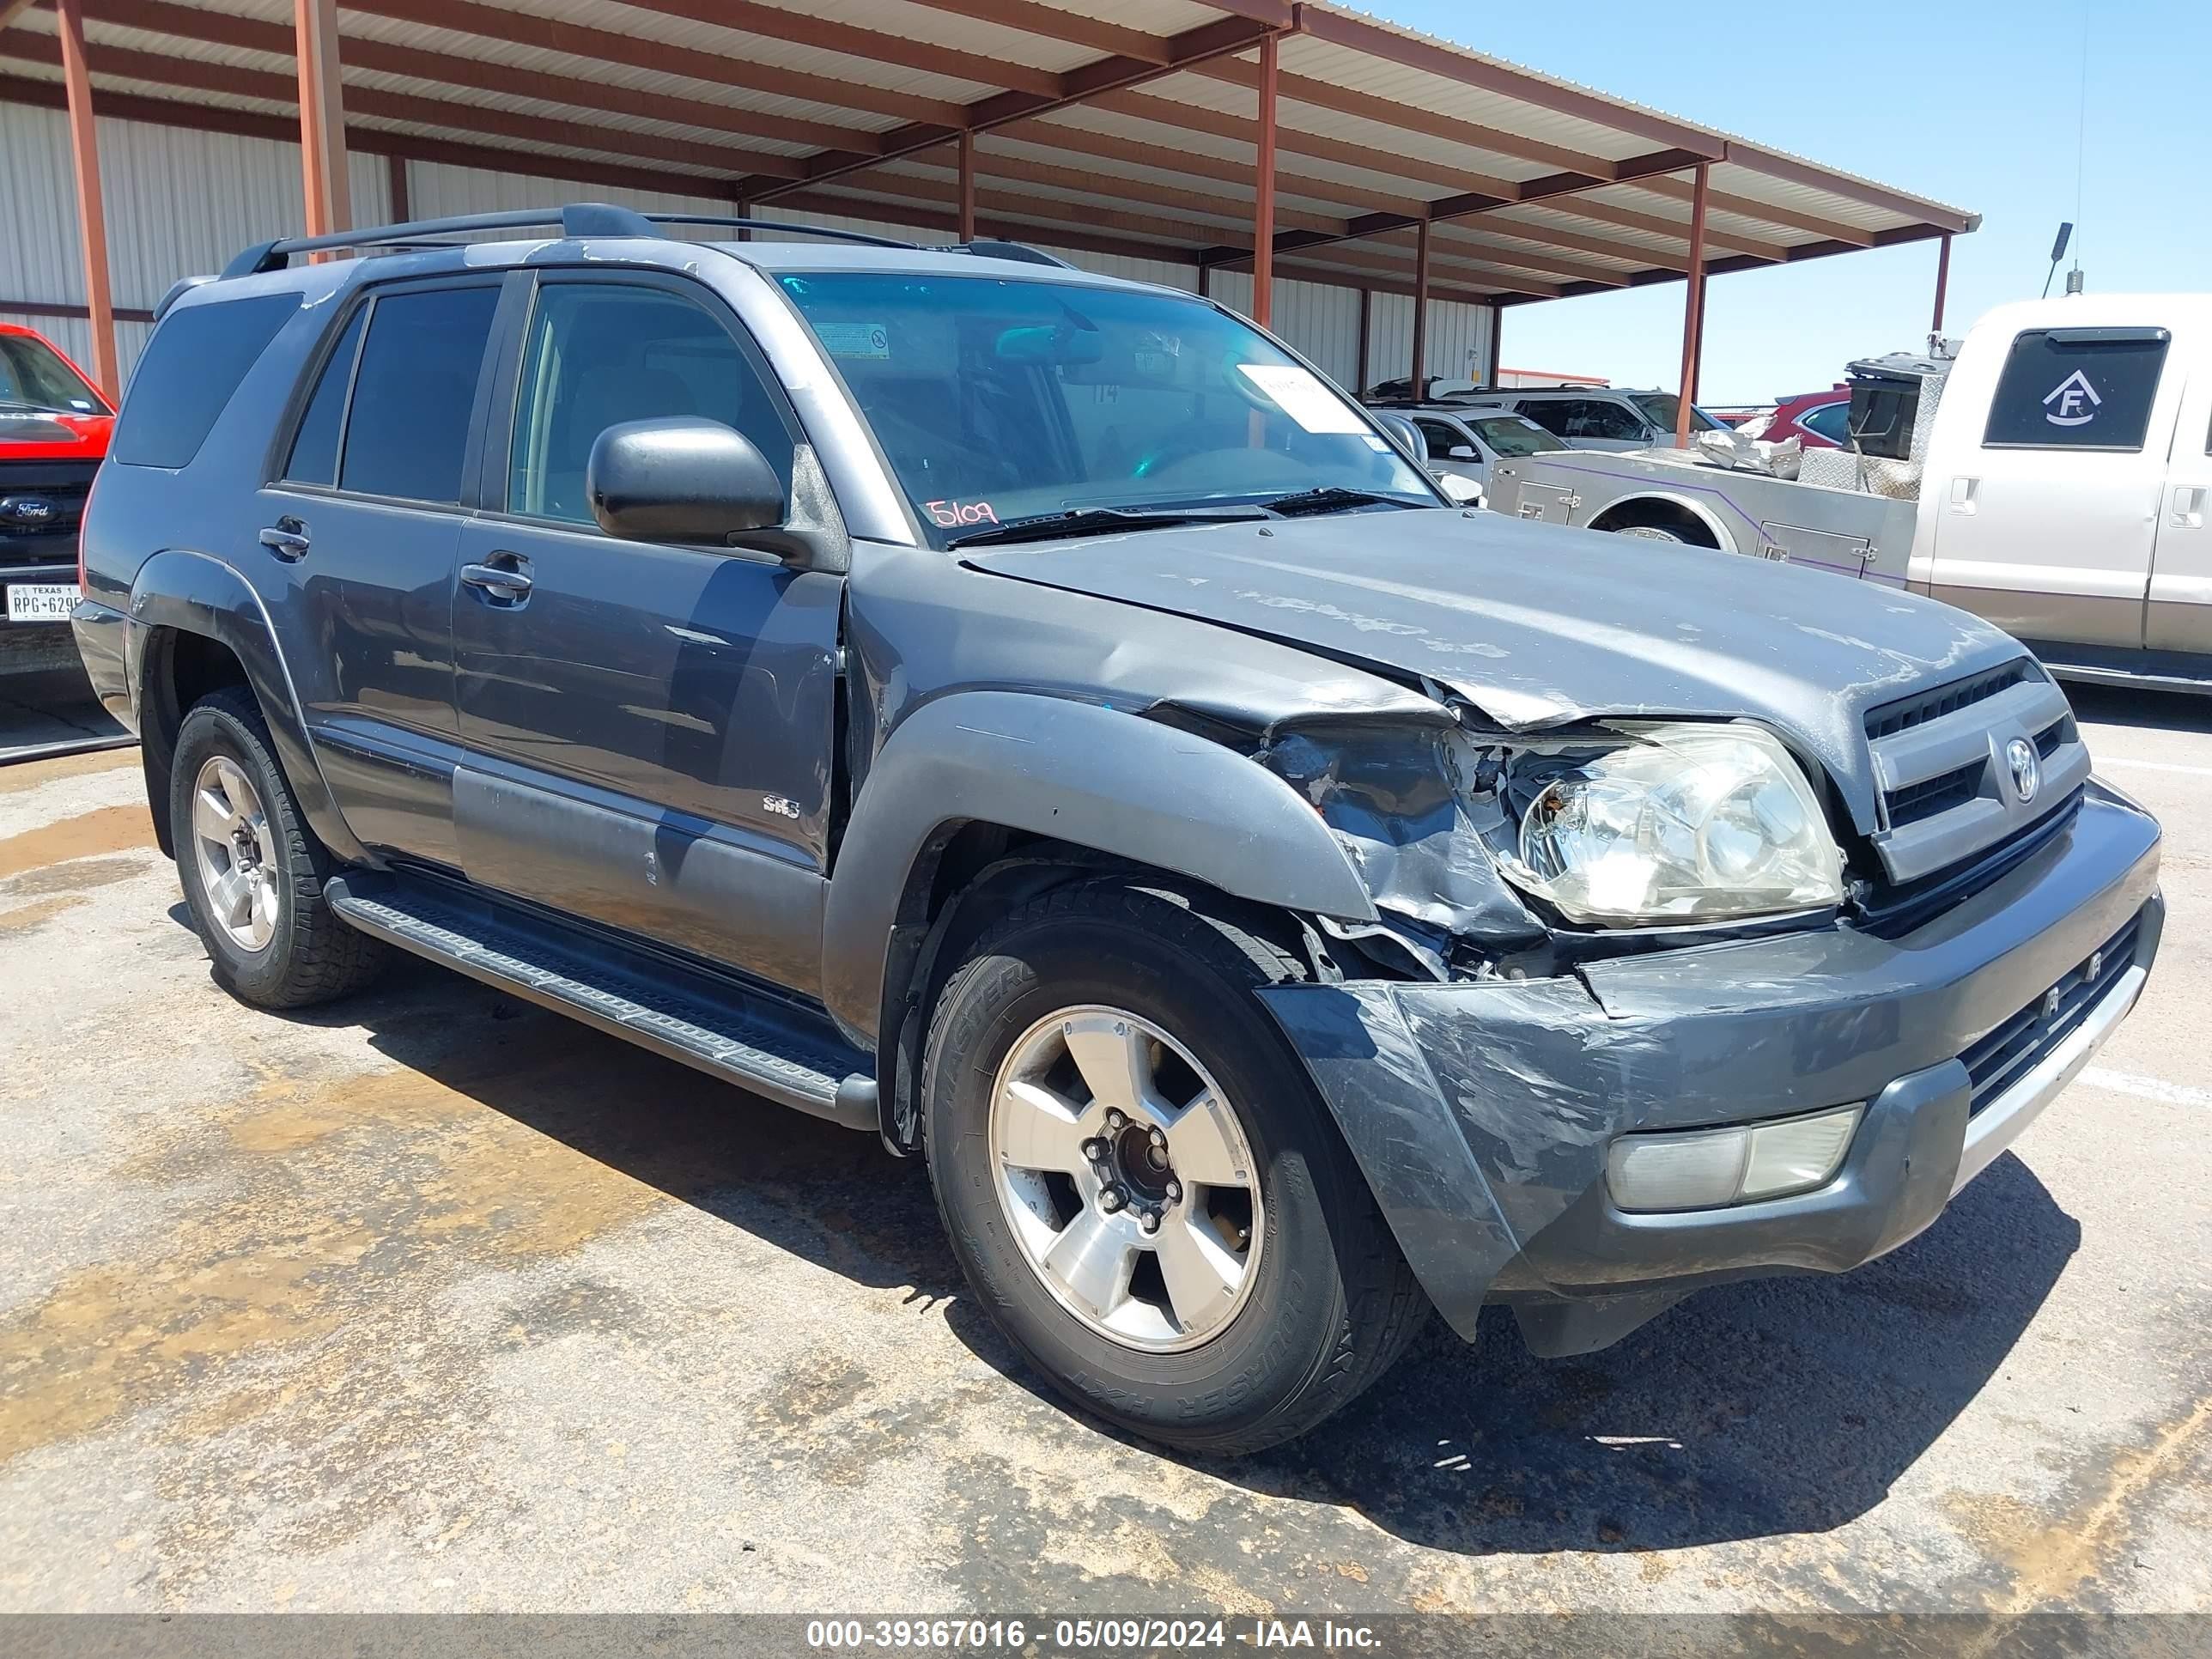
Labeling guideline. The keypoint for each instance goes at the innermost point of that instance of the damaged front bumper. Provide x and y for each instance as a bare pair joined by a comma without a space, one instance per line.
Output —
1482,1112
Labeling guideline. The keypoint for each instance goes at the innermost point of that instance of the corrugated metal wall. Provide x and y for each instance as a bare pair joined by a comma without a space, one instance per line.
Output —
182,202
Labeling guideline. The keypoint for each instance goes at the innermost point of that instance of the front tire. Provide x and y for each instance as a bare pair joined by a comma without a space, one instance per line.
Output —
253,870
1142,1184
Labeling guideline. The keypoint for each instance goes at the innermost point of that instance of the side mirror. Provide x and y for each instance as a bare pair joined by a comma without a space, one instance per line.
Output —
1464,492
681,479
1461,452
1401,428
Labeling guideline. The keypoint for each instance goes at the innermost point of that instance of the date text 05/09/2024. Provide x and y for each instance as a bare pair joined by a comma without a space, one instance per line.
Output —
1090,1634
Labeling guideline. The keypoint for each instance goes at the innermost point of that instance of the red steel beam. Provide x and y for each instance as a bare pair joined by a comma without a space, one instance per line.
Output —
396,186
474,75
967,228
1089,82
1420,307
1694,309
322,118
91,213
1359,349
1263,192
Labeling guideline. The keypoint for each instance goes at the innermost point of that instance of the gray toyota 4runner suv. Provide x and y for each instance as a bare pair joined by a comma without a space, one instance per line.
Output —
1035,718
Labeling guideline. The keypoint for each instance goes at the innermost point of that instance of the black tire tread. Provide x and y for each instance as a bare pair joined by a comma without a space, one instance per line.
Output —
328,960
1385,1309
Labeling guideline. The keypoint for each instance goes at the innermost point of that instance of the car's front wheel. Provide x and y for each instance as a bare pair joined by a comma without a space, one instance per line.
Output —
1141,1181
251,869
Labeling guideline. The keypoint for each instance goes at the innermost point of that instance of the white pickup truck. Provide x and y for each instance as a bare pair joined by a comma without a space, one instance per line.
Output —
2053,478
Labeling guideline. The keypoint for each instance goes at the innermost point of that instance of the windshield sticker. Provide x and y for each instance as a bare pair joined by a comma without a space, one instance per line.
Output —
950,515
856,339
1302,396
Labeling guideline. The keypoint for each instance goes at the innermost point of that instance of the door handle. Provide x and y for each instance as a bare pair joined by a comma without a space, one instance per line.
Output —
1964,492
2188,508
287,538
504,579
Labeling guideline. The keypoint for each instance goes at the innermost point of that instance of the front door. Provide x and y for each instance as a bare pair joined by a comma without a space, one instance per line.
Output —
648,729
2179,614
1452,451
361,529
2046,527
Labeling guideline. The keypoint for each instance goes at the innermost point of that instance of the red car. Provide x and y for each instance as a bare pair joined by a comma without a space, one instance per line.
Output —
1820,420
54,427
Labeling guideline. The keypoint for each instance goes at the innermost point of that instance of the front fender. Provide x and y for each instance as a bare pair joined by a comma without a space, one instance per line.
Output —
198,593
1113,782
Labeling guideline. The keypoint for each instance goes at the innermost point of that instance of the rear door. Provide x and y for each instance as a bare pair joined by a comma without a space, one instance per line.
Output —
648,729
362,520
2179,614
2046,527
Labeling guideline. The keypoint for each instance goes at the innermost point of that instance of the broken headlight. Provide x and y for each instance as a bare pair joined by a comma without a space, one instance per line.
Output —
1679,822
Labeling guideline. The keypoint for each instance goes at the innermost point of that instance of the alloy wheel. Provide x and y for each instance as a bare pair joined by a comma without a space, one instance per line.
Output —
236,854
1126,1178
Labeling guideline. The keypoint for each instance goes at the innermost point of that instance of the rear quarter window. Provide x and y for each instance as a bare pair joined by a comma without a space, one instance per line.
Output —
190,368
2076,388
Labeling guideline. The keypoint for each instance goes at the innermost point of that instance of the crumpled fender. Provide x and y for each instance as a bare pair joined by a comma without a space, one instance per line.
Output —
1092,776
198,593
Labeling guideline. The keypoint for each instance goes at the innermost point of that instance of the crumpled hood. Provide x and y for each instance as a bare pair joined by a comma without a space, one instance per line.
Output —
1538,626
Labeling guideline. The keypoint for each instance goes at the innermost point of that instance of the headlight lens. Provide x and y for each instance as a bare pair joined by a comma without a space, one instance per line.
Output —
1684,823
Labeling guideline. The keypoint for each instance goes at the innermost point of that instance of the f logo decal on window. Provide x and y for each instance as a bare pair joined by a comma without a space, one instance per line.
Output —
2076,398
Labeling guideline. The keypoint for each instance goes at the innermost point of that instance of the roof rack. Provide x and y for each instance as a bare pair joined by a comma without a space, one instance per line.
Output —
579,219
710,220
990,248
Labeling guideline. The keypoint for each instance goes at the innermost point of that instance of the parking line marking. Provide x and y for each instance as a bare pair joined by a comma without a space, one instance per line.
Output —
2146,1088
2155,766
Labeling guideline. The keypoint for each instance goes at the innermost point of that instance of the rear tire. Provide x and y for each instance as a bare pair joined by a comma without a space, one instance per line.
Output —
253,870
1315,1304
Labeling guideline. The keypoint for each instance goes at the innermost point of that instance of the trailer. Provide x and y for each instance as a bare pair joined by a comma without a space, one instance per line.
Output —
1851,511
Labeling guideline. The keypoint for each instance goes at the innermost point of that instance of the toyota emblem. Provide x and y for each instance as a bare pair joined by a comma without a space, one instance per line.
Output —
2027,769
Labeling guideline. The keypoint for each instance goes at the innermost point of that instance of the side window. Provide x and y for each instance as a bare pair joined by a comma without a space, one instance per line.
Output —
1594,418
315,445
1439,439
600,354
1832,421
2077,388
1551,415
407,429
193,364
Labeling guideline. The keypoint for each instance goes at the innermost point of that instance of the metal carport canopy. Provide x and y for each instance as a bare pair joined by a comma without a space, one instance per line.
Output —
1394,161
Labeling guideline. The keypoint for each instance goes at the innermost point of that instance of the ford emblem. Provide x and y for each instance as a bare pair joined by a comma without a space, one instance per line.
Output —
26,509
2027,769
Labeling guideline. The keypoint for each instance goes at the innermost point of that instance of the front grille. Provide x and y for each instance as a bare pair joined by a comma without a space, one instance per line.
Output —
2010,1052
1904,714
63,484
1936,794
1942,756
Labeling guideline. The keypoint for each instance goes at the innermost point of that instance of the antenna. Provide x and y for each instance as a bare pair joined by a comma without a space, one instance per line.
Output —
2057,253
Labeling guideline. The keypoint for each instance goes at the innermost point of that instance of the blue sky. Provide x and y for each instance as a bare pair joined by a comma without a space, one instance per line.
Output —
1968,102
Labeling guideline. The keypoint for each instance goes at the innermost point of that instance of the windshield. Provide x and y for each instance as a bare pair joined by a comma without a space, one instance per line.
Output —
1661,409
1509,434
997,400
33,373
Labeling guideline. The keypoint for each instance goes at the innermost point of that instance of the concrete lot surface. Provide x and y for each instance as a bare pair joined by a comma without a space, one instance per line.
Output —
431,1301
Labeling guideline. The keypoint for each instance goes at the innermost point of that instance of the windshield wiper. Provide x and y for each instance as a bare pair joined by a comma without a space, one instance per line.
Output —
1331,498
1099,520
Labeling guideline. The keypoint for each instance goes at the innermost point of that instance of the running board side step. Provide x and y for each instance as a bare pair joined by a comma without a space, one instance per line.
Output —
793,1057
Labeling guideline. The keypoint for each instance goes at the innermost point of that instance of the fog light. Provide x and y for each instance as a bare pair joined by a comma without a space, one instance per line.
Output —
1798,1154
1709,1169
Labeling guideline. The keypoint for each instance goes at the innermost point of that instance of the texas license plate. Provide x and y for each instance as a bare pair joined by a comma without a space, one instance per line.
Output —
37,602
